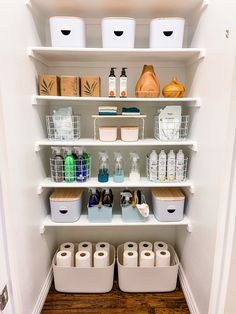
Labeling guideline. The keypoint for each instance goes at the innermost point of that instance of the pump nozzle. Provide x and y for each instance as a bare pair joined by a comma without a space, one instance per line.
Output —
123,73
112,71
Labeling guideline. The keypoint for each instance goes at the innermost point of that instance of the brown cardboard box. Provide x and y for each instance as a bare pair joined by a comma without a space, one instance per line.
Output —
70,86
90,86
48,85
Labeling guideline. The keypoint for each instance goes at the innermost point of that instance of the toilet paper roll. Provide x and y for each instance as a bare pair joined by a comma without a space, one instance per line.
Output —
88,247
83,259
147,258
130,258
101,259
103,246
145,245
130,246
68,246
159,246
63,259
162,258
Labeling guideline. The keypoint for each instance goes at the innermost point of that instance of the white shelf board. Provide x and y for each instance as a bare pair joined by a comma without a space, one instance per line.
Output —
140,116
93,182
54,55
91,142
103,8
116,221
38,100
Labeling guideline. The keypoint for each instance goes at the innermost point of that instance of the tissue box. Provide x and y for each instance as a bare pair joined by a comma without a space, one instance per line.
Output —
49,85
70,86
90,86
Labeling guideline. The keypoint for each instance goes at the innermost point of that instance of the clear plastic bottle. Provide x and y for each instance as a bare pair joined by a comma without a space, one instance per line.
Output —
134,175
57,165
153,163
103,175
179,171
171,166
162,166
118,171
69,165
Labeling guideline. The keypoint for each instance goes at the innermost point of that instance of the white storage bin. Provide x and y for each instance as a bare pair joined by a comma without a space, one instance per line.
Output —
148,279
84,280
66,205
67,31
166,33
168,204
129,133
108,134
118,32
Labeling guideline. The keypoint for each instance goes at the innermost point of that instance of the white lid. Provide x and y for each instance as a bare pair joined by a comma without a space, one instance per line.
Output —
118,18
168,18
65,17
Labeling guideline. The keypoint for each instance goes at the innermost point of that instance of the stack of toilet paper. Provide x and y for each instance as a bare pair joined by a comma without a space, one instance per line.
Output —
146,254
82,256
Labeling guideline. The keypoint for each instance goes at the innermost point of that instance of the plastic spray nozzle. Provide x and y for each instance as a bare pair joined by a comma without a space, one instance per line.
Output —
56,150
80,150
118,157
134,156
103,156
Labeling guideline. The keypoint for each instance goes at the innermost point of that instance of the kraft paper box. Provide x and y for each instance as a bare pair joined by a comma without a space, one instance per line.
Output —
48,85
90,86
70,86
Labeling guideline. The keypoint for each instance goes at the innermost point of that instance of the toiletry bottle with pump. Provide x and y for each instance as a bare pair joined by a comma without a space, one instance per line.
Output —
153,163
134,175
171,166
179,171
123,83
112,83
80,166
103,175
162,166
94,197
118,171
57,165
69,165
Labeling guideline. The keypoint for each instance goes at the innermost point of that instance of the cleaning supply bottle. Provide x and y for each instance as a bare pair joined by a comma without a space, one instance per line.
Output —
107,197
69,165
87,162
123,83
179,168
134,175
171,166
94,197
118,171
80,166
112,83
57,163
153,163
162,166
103,175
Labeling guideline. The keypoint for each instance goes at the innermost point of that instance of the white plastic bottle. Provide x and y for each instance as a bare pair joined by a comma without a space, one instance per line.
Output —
112,83
153,162
162,166
179,166
134,175
171,166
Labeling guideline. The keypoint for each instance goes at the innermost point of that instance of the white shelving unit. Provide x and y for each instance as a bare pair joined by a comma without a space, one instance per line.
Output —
116,221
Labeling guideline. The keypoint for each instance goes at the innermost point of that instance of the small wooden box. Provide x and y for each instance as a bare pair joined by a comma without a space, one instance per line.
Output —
90,86
49,85
70,86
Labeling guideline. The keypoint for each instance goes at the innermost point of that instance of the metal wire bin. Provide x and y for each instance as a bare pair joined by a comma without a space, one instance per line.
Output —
179,174
174,129
79,171
63,128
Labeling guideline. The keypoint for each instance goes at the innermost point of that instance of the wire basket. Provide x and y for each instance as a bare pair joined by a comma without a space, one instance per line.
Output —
174,129
75,171
179,174
63,128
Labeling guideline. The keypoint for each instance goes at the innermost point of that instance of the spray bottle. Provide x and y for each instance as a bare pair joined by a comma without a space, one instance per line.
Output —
94,197
134,175
118,171
80,166
69,165
103,175
57,164
112,83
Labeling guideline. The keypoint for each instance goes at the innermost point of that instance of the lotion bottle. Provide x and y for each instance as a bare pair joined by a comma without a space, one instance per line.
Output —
112,83
123,83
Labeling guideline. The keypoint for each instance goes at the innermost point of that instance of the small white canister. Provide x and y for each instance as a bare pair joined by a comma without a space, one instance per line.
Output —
67,31
166,33
118,32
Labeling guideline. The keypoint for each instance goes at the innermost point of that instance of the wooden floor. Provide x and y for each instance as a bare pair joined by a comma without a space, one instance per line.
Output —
116,302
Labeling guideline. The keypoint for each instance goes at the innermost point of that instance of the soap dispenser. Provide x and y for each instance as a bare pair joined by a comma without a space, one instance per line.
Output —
112,83
103,175
134,175
118,171
123,83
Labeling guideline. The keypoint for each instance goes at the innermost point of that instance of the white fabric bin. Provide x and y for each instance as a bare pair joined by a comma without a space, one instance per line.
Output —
118,32
166,33
148,279
67,31
84,280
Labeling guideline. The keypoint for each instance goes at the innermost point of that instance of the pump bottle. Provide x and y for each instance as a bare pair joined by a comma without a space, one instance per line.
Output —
123,83
112,83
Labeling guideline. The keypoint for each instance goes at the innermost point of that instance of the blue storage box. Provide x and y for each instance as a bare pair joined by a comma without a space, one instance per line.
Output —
103,214
132,214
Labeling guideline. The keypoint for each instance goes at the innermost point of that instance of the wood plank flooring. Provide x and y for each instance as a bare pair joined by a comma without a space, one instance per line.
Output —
116,302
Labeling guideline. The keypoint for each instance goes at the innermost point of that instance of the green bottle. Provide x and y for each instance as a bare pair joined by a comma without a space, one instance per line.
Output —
69,165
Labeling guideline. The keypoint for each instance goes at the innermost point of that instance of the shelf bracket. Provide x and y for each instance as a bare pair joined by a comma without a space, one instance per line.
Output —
190,228
40,190
35,56
193,147
191,189
42,229
34,100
